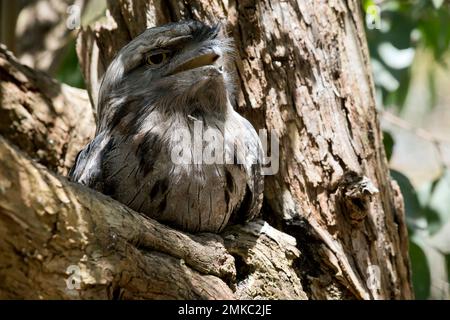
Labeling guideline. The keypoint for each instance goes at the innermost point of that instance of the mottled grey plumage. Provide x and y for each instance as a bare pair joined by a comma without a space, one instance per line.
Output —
142,107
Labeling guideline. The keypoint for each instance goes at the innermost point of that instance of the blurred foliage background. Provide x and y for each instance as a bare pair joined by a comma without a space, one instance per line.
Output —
409,46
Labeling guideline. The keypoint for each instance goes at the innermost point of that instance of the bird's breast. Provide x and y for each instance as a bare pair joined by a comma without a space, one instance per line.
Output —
182,175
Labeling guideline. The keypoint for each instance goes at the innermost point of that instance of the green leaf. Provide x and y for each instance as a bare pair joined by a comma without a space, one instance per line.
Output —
429,20
367,3
432,88
440,197
435,275
69,70
437,265
420,272
412,205
388,142
434,222
441,239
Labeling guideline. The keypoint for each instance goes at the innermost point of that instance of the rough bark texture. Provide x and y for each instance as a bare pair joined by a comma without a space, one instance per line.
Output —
68,226
48,225
338,229
304,73
51,122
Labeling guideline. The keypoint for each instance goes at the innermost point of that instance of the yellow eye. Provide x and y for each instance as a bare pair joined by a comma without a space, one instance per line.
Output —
157,58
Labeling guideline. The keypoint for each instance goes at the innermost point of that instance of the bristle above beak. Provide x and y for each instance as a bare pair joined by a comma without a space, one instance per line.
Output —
204,32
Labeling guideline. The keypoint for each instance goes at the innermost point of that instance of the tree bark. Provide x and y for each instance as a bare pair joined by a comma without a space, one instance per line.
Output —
304,74
49,225
49,121
338,220
54,233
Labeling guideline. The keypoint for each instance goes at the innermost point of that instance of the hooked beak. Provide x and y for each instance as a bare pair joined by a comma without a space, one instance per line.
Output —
197,62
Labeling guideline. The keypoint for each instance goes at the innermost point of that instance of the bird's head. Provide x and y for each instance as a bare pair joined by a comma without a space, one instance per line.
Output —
174,66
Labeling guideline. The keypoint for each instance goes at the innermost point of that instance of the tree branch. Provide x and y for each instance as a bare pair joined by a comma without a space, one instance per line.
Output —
304,75
49,121
48,223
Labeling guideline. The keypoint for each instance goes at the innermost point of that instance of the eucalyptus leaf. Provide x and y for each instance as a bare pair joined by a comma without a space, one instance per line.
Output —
441,239
388,142
420,272
440,197
437,270
412,205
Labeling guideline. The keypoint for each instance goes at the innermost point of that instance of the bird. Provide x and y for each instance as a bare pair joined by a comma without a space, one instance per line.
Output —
163,92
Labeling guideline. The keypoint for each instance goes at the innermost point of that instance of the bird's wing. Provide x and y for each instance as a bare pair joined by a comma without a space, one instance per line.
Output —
87,169
253,160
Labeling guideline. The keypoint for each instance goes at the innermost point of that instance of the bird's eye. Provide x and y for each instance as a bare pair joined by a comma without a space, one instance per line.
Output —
157,58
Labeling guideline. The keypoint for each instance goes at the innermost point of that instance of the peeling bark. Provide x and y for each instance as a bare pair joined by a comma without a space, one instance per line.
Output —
48,224
50,121
337,220
304,73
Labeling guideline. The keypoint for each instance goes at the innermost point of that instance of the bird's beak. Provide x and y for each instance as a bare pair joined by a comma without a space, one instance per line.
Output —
197,62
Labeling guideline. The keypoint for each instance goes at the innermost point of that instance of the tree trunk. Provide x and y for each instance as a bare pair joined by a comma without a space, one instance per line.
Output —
49,121
338,221
62,240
